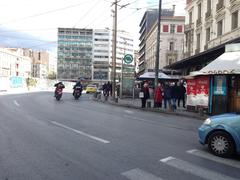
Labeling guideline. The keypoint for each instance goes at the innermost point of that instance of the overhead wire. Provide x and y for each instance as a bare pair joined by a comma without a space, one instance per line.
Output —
43,13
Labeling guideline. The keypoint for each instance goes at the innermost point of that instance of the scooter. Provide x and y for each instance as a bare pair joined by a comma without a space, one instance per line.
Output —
77,92
58,94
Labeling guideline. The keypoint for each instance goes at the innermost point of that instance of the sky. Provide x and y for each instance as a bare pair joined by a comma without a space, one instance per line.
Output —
34,23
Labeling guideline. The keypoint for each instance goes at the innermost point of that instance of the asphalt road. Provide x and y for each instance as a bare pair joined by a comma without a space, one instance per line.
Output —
45,139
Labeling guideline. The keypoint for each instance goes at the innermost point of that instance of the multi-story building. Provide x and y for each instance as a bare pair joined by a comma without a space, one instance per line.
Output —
40,64
171,42
209,26
101,50
148,20
75,47
13,63
124,46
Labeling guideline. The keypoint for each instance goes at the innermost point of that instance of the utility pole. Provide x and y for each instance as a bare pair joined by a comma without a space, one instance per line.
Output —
114,51
158,43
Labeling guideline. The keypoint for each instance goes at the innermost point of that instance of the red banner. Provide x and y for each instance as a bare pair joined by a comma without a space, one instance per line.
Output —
191,87
202,86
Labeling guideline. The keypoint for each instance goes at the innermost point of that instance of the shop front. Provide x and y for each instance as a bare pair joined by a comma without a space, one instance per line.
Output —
217,85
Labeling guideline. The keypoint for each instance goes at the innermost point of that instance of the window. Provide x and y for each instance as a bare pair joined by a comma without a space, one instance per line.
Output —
172,28
171,46
190,17
198,41
209,5
179,28
207,35
234,20
165,28
199,11
219,28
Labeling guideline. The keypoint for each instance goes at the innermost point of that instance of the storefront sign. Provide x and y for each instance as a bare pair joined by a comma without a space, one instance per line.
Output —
202,91
220,85
221,71
191,92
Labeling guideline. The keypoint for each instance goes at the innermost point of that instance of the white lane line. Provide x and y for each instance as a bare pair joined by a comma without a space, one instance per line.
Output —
202,154
128,112
80,132
195,170
16,103
138,174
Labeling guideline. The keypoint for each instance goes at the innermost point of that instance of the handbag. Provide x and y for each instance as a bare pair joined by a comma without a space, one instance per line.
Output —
141,95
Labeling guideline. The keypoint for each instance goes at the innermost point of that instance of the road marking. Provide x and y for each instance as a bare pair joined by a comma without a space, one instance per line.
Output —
127,111
194,169
138,174
80,132
202,154
16,103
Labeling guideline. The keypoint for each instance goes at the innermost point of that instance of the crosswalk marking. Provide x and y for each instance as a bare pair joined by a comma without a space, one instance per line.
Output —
194,169
202,154
138,174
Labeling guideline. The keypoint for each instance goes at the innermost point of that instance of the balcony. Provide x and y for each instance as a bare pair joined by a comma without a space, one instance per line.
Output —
199,21
197,50
219,6
189,27
208,14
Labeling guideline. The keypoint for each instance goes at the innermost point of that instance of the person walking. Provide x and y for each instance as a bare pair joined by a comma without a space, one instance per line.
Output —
146,95
175,95
167,95
158,96
182,92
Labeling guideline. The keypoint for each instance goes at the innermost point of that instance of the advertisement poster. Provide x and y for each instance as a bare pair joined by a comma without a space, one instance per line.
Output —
202,91
220,85
191,92
128,80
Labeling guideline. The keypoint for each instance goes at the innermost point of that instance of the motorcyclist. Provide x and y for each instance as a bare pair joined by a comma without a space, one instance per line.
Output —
78,84
58,86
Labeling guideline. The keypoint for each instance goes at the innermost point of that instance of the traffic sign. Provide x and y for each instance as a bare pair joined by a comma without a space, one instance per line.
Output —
128,58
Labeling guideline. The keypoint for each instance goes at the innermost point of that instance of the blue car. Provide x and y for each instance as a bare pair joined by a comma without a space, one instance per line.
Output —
222,134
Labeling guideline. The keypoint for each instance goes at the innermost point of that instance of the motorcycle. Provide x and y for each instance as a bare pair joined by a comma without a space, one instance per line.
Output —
58,94
77,92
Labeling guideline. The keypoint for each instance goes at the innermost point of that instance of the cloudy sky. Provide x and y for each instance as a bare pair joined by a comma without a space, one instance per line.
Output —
34,23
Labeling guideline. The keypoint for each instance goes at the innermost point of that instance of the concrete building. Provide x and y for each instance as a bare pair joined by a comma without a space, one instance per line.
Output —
101,56
75,47
124,46
40,64
147,22
13,63
171,42
209,26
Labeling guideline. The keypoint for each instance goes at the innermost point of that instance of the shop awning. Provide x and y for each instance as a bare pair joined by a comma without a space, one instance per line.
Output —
227,63
151,75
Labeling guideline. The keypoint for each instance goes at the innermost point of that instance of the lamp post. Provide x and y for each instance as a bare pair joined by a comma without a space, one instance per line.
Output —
158,43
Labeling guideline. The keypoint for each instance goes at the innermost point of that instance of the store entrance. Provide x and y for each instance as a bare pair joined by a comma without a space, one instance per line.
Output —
234,93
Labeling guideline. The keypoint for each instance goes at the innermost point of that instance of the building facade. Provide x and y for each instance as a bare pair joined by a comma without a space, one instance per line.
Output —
210,23
13,63
101,56
148,20
75,47
171,42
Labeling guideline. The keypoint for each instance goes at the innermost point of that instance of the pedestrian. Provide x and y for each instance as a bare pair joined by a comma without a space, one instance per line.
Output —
167,95
158,96
182,92
175,95
145,94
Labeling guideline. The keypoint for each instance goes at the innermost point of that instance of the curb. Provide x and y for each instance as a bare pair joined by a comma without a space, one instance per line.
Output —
199,117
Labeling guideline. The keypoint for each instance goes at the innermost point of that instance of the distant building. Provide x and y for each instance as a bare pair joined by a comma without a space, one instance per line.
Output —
13,63
171,42
40,64
75,48
148,20
101,56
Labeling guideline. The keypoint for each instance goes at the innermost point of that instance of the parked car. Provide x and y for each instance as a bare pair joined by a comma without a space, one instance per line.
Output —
222,134
91,88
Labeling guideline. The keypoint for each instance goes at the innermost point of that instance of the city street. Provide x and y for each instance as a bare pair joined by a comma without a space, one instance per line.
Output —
45,139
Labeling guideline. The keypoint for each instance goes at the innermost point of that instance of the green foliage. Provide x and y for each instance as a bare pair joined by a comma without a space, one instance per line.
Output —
52,75
31,82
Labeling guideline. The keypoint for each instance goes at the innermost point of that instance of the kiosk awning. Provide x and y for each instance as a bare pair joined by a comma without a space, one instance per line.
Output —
227,63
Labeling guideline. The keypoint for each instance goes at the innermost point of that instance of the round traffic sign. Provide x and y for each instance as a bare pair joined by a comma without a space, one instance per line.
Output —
128,58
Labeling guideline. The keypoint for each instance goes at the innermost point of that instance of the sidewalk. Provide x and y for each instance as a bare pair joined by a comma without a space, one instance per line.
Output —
136,104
